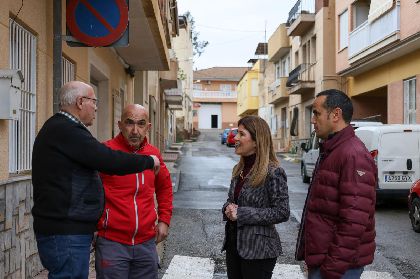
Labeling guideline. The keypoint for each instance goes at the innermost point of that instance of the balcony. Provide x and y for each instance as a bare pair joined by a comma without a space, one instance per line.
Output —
277,91
214,96
370,37
278,44
173,97
301,17
148,33
301,79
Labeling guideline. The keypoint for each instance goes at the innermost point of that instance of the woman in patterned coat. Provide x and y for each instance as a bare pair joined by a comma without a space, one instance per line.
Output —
257,200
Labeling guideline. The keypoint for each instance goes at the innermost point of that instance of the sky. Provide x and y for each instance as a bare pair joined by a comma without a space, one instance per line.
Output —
233,28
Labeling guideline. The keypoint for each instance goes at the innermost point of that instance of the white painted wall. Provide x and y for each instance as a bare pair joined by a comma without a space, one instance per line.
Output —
204,115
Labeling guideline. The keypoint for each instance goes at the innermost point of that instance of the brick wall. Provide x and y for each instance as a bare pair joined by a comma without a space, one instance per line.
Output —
18,250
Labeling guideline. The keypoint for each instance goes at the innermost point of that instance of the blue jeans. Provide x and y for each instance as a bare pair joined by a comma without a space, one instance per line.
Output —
65,256
315,273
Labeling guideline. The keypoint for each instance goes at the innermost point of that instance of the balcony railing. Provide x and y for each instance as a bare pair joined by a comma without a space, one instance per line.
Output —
278,91
173,98
272,87
367,35
203,94
301,7
173,92
303,72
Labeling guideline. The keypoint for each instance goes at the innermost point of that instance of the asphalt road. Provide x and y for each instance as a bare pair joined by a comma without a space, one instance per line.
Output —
197,228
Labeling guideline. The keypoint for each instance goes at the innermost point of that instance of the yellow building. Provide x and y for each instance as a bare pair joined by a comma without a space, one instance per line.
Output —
144,73
248,89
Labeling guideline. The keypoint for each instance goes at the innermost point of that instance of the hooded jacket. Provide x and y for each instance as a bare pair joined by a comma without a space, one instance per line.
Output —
130,216
337,232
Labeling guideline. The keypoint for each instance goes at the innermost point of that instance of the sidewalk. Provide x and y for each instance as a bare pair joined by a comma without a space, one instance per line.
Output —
291,157
171,158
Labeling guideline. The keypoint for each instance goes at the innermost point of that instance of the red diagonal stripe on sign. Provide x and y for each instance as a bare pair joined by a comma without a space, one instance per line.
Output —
97,15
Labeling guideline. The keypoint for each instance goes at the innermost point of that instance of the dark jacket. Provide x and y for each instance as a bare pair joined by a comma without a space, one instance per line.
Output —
259,209
337,232
68,193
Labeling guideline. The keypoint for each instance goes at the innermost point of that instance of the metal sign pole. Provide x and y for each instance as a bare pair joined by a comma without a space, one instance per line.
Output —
57,53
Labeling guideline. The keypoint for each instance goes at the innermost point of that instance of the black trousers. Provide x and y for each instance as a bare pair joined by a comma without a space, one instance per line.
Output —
239,268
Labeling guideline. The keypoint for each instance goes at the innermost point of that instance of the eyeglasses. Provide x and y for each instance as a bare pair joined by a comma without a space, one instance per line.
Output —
95,101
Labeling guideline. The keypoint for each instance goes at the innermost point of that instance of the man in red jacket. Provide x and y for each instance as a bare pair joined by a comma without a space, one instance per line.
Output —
337,233
127,230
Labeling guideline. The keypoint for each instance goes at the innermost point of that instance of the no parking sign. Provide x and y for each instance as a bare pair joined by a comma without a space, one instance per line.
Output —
97,22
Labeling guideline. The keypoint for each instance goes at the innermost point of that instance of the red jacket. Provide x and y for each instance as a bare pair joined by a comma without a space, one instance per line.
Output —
338,226
130,216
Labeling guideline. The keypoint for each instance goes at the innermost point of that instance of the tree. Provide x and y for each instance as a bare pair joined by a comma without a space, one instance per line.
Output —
198,46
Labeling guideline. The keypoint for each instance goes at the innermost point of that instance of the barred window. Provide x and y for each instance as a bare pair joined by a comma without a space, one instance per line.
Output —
22,131
68,68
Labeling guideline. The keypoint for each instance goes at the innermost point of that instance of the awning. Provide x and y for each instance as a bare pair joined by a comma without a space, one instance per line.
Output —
378,8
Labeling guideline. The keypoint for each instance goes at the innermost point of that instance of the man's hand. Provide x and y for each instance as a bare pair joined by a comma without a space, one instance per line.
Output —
162,230
156,167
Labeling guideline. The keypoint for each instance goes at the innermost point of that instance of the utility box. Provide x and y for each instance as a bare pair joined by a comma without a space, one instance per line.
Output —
10,86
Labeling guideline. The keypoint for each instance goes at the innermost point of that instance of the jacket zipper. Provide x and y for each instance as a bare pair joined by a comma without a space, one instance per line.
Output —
135,209
105,222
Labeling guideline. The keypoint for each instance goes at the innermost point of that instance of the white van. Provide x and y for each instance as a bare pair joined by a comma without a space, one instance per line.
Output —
396,150
311,150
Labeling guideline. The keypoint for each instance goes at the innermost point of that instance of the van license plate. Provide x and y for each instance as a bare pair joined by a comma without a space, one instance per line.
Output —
398,178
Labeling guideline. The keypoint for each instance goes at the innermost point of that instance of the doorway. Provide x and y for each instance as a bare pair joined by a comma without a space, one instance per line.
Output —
214,121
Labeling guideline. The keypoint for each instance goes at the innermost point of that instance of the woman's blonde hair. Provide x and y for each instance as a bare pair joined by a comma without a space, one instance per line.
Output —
264,150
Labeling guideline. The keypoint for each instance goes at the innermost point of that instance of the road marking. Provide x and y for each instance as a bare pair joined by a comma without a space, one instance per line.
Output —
183,267
289,271
376,275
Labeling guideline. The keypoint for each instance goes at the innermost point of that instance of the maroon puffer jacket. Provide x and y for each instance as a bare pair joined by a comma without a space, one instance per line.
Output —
338,225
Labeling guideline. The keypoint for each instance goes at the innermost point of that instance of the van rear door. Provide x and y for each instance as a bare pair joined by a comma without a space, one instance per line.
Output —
398,159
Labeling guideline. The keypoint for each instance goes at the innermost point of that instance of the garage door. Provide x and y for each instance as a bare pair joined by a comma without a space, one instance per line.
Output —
210,116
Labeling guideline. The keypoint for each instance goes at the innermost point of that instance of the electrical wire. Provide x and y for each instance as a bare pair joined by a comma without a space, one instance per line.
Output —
232,30
21,6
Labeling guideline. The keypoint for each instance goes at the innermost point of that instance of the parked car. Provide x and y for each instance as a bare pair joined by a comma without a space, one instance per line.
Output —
396,150
414,206
311,150
230,141
223,135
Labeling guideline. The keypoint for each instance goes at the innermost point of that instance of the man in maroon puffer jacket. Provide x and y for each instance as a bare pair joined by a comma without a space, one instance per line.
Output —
337,233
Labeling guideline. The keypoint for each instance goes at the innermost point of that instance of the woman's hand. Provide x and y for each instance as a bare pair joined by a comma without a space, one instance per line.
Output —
231,211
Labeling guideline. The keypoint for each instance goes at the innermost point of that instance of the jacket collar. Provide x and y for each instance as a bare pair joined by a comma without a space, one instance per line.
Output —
122,141
330,144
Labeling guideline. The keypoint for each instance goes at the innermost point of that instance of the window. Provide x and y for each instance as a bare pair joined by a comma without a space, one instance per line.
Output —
277,74
197,86
22,131
285,66
410,101
360,11
68,73
225,87
344,30
273,120
254,87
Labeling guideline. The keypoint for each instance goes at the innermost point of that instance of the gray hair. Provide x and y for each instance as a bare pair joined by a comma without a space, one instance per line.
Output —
70,91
